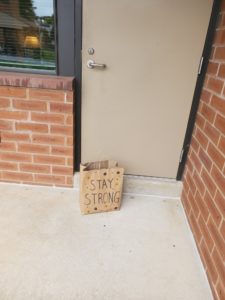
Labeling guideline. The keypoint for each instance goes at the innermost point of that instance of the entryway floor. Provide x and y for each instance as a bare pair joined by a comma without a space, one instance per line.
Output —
48,251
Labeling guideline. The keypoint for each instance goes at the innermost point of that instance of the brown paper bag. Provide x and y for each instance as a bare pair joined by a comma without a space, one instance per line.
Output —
100,186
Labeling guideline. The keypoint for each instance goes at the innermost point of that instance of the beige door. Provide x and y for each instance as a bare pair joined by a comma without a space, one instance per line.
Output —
136,109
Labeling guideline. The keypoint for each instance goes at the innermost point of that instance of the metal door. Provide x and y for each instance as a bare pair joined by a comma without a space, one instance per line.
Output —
135,110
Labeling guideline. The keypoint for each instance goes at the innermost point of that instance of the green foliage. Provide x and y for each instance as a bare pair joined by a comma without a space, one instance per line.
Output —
27,9
48,20
48,55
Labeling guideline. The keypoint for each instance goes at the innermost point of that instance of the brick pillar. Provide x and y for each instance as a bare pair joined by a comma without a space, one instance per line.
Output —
36,129
204,177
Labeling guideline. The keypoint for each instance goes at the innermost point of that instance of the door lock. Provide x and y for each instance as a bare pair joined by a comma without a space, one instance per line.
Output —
91,51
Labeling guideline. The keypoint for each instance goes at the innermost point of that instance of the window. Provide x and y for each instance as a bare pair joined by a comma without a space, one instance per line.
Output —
27,35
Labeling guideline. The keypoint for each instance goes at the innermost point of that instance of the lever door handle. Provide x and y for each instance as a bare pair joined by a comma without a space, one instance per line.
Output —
91,65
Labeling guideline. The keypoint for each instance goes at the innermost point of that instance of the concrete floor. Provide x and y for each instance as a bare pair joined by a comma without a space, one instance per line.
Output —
48,251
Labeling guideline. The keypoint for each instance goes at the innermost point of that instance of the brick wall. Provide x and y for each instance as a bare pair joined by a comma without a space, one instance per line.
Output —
204,177
36,129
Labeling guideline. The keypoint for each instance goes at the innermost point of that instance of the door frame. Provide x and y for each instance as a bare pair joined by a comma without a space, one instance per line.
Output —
196,97
199,85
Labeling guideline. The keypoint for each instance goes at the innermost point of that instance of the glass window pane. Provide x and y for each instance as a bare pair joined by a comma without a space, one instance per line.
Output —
27,38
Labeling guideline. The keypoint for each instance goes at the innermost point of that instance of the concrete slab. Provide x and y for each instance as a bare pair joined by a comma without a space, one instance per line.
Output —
49,251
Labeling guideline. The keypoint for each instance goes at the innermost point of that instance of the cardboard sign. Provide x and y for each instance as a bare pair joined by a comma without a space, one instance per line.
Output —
100,186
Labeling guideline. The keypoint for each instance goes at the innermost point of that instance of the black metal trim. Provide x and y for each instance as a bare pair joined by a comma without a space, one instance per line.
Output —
199,84
55,8
65,37
78,84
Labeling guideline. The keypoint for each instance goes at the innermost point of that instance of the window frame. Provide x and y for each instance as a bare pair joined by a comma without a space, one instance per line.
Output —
64,12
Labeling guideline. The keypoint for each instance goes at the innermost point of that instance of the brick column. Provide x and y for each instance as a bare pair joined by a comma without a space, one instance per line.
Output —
36,129
204,178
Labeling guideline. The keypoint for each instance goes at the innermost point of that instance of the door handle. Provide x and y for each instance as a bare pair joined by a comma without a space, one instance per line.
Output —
91,65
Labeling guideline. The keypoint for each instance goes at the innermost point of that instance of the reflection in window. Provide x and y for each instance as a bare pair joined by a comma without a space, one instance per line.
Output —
27,38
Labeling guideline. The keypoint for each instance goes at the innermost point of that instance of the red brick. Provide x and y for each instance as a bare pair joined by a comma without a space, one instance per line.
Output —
51,160
220,123
222,18
69,120
222,9
201,138
7,146
220,53
218,104
194,205
19,137
4,165
212,66
200,121
220,290
64,108
15,157
210,185
218,261
220,37
220,245
199,183
212,133
191,183
16,92
185,189
205,96
185,202
208,262
214,212
215,85
4,103
202,206
220,202
216,156
48,118
211,56
207,112
195,161
221,145
222,230
13,115
213,288
50,179
206,161
69,161
45,94
6,125
195,227
14,176
69,180
30,105
62,170
35,168
48,139
69,96
67,151
221,72
62,130
69,141
189,165
33,148
194,144
34,127
218,178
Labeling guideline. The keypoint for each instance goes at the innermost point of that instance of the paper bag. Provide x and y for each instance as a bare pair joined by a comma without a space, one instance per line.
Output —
100,186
